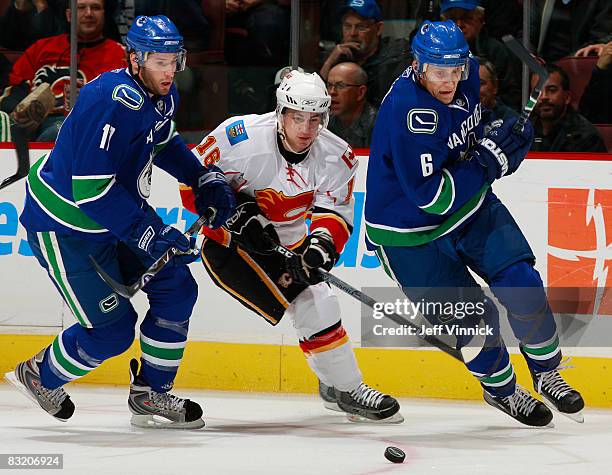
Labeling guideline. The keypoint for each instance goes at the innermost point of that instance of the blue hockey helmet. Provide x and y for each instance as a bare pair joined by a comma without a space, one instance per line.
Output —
441,44
155,34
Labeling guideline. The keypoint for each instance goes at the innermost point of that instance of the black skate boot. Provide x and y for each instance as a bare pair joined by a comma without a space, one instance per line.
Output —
522,406
558,395
328,394
365,404
155,410
26,378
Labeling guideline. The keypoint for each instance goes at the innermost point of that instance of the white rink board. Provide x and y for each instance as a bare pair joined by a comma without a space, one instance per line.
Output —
30,304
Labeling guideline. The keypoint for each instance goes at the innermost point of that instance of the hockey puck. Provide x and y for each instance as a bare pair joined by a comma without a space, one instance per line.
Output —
395,455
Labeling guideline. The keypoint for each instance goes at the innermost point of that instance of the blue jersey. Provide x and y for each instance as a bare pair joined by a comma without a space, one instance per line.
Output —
95,181
421,183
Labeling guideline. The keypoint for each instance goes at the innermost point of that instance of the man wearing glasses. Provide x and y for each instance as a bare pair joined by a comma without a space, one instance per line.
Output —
383,59
352,116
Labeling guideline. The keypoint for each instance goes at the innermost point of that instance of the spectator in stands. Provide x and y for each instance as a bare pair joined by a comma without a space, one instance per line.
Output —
469,16
256,45
568,25
558,127
501,17
22,22
266,24
493,108
595,101
383,59
187,15
48,61
330,26
5,70
352,116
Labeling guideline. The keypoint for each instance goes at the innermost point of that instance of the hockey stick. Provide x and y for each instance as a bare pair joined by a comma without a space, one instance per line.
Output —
521,53
20,139
370,302
128,291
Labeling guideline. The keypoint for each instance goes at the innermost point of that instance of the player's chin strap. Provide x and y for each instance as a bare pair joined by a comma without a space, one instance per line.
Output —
136,77
281,133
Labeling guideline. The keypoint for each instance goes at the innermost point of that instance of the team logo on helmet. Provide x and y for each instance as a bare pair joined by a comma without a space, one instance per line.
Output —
141,21
425,27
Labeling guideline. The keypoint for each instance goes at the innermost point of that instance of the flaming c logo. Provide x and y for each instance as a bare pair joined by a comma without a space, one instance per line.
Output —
279,207
580,250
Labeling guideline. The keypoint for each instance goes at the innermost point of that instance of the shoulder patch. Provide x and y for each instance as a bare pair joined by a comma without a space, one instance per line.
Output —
422,121
236,132
128,96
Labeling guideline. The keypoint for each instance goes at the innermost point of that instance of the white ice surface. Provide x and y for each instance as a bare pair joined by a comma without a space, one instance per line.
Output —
289,434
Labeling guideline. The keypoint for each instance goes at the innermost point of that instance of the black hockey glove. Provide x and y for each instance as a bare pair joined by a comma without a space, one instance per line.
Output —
213,191
251,230
502,151
317,251
151,238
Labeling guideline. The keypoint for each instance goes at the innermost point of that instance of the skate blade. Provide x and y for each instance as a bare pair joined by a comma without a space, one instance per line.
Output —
332,406
576,416
396,418
11,377
156,422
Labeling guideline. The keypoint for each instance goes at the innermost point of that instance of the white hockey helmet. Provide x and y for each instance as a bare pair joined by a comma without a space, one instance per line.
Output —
303,92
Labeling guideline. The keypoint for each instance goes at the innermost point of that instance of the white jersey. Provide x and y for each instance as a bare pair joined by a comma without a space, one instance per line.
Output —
320,187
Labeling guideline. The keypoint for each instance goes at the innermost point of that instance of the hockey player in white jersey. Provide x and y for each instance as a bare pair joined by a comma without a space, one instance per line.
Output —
285,167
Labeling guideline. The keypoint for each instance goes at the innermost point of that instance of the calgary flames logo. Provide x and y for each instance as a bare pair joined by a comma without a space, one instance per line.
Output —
57,77
280,208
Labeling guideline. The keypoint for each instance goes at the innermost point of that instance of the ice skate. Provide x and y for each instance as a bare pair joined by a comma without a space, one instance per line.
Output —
521,406
365,404
558,395
155,410
328,394
26,378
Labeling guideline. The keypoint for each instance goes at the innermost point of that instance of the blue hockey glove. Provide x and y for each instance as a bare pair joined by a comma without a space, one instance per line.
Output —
502,151
251,230
317,251
151,238
212,191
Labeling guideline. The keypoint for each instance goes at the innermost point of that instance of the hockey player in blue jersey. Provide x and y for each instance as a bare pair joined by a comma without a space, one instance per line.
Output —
430,215
88,198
